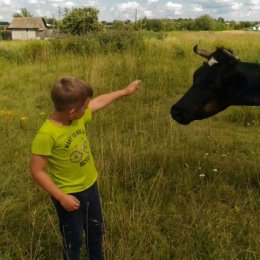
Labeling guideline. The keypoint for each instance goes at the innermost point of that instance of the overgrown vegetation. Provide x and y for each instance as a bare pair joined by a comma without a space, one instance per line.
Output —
169,192
89,44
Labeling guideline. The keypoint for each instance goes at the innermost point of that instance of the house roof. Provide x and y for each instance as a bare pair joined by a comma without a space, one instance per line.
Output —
4,23
28,23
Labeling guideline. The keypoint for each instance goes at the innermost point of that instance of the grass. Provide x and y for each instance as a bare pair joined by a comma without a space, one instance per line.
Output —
168,191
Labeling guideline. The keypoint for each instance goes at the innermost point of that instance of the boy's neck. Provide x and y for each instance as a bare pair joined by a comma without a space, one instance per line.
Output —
60,118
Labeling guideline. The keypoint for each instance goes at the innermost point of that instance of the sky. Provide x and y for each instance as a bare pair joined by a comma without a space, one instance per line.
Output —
110,10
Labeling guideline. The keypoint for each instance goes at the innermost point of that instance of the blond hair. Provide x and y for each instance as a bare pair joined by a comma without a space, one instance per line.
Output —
70,92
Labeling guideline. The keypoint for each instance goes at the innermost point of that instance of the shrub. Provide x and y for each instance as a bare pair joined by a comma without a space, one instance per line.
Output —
118,41
5,35
92,43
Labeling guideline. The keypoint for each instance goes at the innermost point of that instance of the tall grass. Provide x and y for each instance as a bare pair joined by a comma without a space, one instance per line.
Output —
168,191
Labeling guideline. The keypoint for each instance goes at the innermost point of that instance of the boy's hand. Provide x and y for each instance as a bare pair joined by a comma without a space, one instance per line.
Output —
69,202
132,87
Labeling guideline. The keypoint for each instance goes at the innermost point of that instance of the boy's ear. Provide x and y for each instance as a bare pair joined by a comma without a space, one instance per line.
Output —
71,111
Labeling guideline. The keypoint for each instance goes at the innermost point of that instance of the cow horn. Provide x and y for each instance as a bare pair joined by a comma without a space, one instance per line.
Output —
229,54
201,52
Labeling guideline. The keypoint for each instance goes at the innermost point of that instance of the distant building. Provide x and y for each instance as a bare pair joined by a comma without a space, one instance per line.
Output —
256,27
28,28
3,25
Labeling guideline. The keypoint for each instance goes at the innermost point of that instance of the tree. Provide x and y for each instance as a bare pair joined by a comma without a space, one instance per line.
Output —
221,20
246,24
154,25
81,20
118,25
219,26
23,13
204,22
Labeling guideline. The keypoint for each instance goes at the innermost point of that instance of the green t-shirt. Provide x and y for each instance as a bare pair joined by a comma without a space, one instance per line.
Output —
70,162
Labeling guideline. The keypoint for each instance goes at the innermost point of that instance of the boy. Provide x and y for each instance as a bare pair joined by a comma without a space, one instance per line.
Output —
62,145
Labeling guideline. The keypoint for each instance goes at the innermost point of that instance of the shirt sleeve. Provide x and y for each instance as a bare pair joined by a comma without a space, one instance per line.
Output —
42,144
88,115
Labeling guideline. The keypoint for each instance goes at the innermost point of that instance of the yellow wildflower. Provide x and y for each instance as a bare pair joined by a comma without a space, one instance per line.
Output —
237,209
23,119
5,112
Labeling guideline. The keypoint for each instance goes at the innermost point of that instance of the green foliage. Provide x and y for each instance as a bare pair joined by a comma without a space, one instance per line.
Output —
90,44
219,26
23,13
204,23
121,26
152,24
246,24
74,23
81,20
27,52
5,35
201,23
118,41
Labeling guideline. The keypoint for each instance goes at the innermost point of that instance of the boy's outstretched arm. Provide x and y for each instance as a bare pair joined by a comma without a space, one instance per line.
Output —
38,166
104,100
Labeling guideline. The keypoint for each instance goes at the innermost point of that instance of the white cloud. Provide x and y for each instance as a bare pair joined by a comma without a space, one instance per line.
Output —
236,6
176,8
224,1
197,8
125,11
39,12
5,2
70,4
255,8
32,2
56,1
148,13
92,3
127,6
152,1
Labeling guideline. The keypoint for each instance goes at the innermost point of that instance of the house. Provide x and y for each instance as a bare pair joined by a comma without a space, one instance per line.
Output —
256,27
28,28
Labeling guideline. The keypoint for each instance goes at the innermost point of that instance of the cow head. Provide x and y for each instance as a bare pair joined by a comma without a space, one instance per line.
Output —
208,94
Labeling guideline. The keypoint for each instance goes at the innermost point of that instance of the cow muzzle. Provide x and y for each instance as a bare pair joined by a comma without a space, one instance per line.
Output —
179,116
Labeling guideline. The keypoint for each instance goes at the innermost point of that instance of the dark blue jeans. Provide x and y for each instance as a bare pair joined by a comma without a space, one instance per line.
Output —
87,218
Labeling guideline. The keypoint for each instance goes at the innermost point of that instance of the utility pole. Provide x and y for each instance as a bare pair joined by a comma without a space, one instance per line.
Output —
135,15
53,21
59,12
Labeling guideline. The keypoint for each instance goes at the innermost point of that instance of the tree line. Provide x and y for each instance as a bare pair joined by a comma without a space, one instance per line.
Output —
79,21
82,20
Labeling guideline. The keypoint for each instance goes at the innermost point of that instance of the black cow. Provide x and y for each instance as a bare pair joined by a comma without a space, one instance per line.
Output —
220,82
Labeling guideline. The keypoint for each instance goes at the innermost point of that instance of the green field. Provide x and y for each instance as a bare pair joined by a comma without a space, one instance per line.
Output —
169,192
